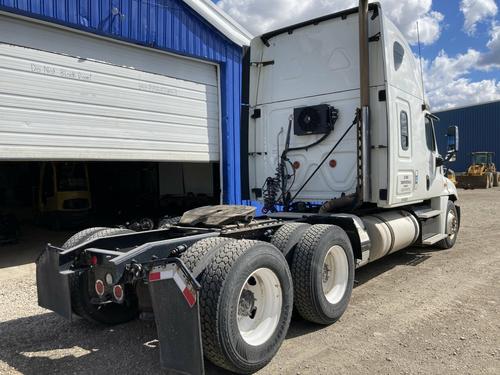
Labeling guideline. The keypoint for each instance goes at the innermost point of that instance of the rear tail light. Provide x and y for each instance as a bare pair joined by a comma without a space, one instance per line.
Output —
93,260
99,288
118,293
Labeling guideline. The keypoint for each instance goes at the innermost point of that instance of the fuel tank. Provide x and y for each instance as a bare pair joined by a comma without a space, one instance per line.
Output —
390,231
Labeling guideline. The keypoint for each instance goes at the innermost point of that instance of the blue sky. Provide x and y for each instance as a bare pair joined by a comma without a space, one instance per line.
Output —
460,39
455,40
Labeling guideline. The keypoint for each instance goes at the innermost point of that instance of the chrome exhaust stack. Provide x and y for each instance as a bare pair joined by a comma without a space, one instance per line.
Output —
364,65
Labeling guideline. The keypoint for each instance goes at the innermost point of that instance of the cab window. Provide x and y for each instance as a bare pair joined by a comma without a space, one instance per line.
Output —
48,181
399,55
405,134
71,177
429,134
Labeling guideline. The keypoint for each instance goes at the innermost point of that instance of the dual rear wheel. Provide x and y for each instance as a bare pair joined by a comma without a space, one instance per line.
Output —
249,290
322,269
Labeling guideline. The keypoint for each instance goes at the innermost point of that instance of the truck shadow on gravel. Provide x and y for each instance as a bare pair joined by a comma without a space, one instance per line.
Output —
48,344
411,257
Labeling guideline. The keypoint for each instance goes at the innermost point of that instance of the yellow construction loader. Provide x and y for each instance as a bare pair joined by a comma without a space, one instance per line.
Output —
481,174
451,175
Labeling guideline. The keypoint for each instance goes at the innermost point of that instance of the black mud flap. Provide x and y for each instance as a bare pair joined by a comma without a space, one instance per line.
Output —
174,293
53,285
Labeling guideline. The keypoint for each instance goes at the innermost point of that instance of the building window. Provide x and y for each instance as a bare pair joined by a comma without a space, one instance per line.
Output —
429,135
399,54
405,132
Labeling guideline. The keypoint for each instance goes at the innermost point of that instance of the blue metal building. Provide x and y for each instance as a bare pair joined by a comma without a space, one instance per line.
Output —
192,28
479,129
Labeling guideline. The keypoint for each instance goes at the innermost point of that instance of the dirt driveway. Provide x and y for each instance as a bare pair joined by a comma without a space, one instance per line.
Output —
420,311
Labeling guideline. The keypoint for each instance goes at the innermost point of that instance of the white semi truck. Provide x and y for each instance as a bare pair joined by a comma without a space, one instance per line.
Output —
343,160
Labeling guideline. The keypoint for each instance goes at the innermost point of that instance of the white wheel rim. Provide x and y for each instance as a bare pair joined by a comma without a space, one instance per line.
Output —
335,274
259,306
452,224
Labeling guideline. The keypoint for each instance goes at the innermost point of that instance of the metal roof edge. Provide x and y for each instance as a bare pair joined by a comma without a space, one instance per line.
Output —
221,21
468,106
315,21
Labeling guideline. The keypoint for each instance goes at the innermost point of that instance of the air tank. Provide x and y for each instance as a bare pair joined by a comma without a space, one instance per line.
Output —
390,231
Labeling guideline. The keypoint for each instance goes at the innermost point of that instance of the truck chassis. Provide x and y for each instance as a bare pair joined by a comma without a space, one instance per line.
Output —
222,284
114,275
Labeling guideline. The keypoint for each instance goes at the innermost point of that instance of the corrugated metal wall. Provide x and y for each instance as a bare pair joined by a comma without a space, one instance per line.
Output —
162,24
479,128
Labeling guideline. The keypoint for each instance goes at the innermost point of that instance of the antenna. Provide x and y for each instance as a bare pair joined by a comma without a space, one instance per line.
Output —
420,59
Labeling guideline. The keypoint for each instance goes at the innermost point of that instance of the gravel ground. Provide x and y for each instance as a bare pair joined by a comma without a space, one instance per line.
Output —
420,311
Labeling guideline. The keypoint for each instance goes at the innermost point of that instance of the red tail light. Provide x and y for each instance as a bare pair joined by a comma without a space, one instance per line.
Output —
118,293
99,288
93,260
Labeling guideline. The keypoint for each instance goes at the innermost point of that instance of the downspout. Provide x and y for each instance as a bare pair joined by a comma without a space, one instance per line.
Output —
364,193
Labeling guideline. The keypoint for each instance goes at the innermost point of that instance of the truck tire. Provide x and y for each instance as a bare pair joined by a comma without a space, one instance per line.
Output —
246,305
287,237
452,226
195,253
110,314
81,237
323,274
166,221
108,232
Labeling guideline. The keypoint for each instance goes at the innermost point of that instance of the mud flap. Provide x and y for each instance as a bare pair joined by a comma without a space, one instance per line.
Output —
174,293
53,285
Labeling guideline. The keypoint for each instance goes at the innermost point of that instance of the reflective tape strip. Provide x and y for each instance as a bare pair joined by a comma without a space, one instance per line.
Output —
190,297
163,275
186,289
179,280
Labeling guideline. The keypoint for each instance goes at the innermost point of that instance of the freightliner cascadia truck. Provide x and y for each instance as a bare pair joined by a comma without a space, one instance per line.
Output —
344,165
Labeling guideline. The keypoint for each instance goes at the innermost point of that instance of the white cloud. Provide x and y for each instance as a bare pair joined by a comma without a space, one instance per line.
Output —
476,11
429,26
448,85
491,59
260,16
405,15
448,82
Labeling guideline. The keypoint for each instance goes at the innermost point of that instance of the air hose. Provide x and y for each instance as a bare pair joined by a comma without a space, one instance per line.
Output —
354,123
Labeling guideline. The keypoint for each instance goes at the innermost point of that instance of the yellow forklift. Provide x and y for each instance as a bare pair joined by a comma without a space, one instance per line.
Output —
63,198
481,174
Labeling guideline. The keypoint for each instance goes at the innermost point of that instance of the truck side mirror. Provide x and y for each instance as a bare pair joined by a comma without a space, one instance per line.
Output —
453,143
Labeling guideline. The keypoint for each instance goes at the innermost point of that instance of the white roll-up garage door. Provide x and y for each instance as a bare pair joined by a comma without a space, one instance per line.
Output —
65,95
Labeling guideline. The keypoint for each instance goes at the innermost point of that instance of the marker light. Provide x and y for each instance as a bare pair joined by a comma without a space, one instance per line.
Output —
99,288
118,293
